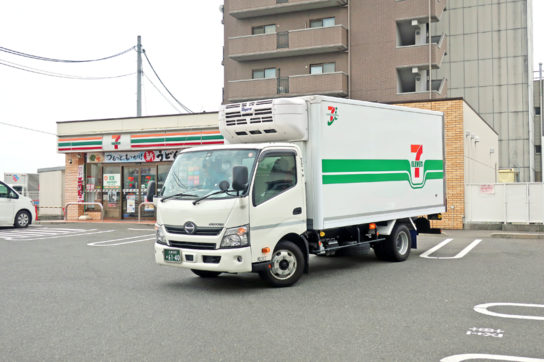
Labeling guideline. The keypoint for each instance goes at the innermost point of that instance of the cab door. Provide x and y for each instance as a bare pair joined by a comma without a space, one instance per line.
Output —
278,202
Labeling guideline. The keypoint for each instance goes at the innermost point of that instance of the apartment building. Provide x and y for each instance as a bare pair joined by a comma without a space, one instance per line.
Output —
391,51
372,50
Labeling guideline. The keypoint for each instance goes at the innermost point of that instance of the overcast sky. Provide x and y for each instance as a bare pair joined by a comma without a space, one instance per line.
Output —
183,40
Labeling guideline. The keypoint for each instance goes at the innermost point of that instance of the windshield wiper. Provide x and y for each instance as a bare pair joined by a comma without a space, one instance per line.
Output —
208,195
176,195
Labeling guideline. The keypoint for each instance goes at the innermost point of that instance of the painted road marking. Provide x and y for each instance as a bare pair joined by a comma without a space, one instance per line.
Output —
461,254
483,308
485,332
133,229
46,233
123,241
495,357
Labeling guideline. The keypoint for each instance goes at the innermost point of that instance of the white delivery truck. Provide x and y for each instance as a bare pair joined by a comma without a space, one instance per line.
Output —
301,176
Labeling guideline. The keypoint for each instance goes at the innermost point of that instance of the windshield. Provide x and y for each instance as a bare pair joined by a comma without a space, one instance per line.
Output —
197,174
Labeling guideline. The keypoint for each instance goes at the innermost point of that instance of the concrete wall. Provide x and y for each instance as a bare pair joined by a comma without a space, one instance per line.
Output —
490,66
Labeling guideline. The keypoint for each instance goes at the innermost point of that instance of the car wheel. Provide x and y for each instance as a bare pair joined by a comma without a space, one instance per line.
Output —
22,219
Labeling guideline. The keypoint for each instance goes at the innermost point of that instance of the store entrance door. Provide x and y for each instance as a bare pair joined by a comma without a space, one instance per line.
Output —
135,182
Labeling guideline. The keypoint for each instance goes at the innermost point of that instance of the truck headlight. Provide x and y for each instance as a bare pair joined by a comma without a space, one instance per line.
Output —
160,237
236,237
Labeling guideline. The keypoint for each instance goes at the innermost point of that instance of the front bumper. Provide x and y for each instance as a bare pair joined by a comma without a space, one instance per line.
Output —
236,260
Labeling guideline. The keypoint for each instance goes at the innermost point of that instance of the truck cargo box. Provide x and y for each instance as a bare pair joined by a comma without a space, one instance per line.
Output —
364,162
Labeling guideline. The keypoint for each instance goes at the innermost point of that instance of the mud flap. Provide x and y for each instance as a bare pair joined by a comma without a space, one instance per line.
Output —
413,234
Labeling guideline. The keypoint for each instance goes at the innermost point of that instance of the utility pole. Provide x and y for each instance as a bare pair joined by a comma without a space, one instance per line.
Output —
139,78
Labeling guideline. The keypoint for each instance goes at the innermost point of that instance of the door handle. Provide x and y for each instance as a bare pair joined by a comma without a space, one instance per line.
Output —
297,211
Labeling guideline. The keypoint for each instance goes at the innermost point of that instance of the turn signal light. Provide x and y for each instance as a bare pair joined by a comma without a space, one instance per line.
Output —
265,250
322,233
372,226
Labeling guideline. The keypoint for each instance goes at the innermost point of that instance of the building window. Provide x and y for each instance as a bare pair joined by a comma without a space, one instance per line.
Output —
263,29
322,68
537,111
322,23
538,149
264,73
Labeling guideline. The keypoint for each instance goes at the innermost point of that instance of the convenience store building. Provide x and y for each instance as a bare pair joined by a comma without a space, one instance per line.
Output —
112,161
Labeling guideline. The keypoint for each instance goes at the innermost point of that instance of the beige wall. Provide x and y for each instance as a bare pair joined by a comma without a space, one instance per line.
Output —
51,193
481,144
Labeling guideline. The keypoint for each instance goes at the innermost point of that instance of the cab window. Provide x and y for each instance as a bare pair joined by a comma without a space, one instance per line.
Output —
275,174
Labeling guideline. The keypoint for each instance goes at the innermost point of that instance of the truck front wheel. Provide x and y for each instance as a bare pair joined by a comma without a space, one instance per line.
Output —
396,247
286,266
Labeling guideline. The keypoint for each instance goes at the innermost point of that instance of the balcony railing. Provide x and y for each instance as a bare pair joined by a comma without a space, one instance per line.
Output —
334,84
243,9
287,44
439,89
419,10
418,55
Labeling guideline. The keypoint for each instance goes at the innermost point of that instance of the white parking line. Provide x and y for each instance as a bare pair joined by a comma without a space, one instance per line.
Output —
483,308
43,234
495,357
461,254
131,240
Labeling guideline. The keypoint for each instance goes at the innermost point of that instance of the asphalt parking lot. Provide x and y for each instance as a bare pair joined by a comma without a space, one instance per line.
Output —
93,292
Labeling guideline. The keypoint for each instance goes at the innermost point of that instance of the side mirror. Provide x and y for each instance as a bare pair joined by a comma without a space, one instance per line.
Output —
224,185
239,177
150,191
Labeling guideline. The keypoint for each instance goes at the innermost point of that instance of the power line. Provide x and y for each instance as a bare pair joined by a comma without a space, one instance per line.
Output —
158,90
28,129
57,75
159,78
37,57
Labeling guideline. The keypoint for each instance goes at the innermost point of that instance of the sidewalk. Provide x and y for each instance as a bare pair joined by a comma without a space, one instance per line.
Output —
105,221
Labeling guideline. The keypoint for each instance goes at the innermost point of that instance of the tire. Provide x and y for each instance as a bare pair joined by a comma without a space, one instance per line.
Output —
287,265
206,273
22,219
397,246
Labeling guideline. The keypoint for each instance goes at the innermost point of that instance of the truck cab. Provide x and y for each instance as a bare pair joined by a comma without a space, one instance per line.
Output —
206,211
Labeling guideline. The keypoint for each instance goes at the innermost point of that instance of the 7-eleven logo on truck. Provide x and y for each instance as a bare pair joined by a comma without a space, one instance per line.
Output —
417,165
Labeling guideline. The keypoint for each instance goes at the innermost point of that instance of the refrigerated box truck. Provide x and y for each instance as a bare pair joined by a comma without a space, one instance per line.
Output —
26,184
301,176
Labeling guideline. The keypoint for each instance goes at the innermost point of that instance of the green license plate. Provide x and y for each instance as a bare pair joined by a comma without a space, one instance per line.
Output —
172,256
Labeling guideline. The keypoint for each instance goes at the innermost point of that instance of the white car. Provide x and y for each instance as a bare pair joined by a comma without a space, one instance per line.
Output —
15,210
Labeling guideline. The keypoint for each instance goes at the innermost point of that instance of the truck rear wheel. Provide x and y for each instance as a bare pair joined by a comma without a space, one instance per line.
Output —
397,246
205,273
22,219
286,266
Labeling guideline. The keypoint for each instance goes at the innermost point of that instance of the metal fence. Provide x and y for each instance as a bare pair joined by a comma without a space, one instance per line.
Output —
505,203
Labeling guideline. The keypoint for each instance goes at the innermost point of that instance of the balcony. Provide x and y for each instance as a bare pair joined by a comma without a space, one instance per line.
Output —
333,84
243,9
419,10
287,44
412,87
418,55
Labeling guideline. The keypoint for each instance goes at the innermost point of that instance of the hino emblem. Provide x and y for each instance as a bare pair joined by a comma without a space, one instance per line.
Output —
189,227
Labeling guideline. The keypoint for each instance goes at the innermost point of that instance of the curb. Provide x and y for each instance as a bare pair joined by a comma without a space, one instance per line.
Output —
518,235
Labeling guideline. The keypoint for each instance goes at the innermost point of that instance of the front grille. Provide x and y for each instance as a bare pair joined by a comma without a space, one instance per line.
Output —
189,245
200,230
